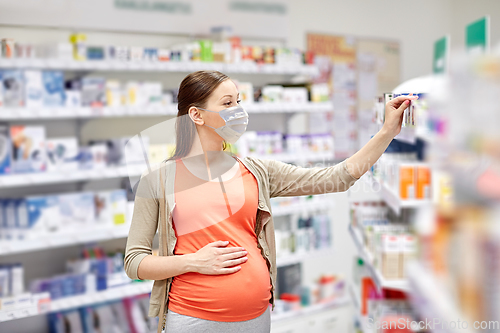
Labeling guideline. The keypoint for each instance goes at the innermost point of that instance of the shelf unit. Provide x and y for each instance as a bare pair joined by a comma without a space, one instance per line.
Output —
157,66
95,234
302,207
311,309
430,299
45,178
147,111
62,304
376,275
62,239
40,179
396,203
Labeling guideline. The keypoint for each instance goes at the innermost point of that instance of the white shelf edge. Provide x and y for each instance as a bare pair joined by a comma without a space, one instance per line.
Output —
299,257
31,113
380,281
115,293
430,299
157,66
396,203
311,309
69,238
62,239
305,157
42,178
322,204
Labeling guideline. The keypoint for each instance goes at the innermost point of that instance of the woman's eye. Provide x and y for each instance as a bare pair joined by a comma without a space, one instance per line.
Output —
228,103
238,101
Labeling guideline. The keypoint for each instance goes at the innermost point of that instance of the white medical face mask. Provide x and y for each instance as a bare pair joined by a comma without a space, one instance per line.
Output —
236,119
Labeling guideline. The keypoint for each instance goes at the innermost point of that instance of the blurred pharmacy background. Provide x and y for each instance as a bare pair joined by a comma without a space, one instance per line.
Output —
416,242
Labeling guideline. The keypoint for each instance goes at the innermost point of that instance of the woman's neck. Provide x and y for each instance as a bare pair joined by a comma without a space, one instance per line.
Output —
205,145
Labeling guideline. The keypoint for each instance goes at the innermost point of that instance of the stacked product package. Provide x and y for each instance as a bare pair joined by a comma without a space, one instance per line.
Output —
34,89
35,217
220,48
272,143
390,243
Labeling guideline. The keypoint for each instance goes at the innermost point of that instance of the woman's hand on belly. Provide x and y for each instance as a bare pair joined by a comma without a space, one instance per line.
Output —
216,259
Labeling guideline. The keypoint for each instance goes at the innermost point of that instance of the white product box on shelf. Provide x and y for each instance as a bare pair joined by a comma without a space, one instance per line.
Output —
295,95
28,148
114,93
93,92
111,207
73,98
272,93
62,154
42,214
77,209
34,89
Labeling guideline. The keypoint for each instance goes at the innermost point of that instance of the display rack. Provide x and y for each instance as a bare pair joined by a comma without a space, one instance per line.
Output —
115,232
45,178
106,233
430,299
376,275
147,111
311,309
158,66
66,303
396,203
316,204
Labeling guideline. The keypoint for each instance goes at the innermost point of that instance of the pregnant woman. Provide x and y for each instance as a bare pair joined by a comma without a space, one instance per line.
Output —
216,268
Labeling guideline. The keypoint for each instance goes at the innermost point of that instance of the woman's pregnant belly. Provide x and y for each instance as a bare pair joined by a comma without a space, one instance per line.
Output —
239,296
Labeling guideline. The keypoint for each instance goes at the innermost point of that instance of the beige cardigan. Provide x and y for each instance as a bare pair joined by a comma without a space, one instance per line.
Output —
274,178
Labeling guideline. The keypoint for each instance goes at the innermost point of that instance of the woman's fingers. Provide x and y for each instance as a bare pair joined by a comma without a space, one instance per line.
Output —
234,255
218,244
229,270
396,102
234,262
227,250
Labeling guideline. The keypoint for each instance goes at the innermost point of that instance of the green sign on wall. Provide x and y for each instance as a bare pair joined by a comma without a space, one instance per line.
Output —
477,36
441,52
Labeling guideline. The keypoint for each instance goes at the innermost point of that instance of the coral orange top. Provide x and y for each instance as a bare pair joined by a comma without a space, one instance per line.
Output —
206,212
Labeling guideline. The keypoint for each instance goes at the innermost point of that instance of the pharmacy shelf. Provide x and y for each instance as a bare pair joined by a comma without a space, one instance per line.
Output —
33,113
430,299
111,294
62,239
311,309
396,203
311,107
299,158
44,178
300,257
158,66
312,206
368,259
104,233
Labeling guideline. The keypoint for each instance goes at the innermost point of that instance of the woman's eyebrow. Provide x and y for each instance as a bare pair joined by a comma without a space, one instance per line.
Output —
226,96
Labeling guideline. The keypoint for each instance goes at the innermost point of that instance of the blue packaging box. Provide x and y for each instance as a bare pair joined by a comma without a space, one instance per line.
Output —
5,147
41,215
53,88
